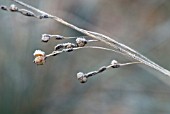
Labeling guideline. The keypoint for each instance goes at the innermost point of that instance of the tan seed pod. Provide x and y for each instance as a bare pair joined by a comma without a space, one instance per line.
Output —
39,60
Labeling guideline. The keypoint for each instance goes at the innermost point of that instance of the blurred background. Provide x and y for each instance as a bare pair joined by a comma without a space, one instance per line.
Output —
25,88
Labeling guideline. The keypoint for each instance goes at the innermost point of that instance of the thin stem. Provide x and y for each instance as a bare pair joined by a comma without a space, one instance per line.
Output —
104,68
54,53
72,37
130,63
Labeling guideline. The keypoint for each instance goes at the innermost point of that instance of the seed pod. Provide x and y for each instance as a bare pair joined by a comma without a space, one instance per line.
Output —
26,12
81,42
3,7
13,8
58,46
102,69
43,16
91,73
39,60
58,37
45,37
68,45
81,77
39,57
115,64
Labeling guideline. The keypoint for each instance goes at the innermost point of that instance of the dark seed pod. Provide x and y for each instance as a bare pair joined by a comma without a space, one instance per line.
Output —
26,12
91,73
113,62
102,69
68,45
43,16
59,46
59,37
3,7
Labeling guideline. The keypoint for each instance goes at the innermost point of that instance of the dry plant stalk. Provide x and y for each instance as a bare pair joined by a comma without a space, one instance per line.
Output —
81,42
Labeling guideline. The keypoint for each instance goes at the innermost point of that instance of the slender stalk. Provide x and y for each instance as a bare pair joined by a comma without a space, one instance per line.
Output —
105,39
82,77
54,53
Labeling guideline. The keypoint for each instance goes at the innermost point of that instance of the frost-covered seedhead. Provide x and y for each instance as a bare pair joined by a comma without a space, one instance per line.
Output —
81,77
39,57
13,8
45,37
81,42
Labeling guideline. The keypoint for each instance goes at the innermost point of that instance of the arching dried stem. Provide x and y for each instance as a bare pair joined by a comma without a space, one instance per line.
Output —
127,51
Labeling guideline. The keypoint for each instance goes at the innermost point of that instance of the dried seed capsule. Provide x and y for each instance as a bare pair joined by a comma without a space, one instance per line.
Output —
45,37
102,69
39,57
13,8
81,77
39,60
71,45
58,37
58,46
26,12
81,42
115,64
3,7
91,73
43,16
68,45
